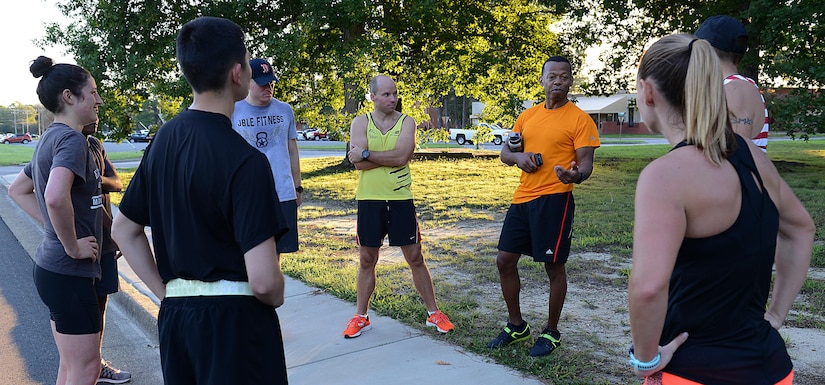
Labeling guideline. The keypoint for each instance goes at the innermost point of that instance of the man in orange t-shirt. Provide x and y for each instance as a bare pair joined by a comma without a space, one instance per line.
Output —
539,221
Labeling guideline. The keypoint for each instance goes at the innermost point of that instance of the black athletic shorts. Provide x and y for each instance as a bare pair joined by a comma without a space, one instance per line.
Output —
109,282
72,301
541,228
396,219
219,340
289,241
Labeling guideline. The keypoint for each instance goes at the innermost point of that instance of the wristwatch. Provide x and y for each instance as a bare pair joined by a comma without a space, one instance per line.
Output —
365,154
644,366
299,189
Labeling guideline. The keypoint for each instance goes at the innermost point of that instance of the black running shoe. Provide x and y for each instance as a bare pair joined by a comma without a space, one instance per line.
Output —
546,343
510,335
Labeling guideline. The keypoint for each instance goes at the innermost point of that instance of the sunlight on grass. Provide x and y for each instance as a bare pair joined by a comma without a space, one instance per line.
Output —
461,203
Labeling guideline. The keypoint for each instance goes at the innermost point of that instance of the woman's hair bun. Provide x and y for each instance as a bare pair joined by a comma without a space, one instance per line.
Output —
41,66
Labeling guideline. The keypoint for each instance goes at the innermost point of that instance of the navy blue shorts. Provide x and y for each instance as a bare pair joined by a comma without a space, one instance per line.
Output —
289,241
541,228
72,301
220,340
109,282
396,219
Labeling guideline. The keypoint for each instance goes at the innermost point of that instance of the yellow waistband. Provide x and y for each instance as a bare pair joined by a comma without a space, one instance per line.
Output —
179,287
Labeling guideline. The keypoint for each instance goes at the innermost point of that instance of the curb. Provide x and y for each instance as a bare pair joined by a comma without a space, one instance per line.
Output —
142,308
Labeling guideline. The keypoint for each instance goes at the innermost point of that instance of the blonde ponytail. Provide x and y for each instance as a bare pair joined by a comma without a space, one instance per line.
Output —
686,70
706,110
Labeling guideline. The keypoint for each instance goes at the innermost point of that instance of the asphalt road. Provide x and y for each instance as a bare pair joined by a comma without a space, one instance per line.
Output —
27,351
28,354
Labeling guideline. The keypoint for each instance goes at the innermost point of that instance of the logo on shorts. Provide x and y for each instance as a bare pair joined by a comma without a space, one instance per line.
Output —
549,252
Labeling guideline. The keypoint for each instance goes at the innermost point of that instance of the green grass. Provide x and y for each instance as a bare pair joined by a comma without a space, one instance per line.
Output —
461,204
124,155
326,147
14,155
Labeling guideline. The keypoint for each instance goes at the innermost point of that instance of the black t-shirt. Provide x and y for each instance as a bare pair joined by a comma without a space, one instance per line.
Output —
106,169
208,196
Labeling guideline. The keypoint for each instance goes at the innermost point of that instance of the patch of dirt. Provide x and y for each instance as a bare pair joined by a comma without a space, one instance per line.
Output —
595,316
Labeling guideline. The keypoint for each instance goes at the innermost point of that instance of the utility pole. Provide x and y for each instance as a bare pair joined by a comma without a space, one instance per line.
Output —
621,122
14,112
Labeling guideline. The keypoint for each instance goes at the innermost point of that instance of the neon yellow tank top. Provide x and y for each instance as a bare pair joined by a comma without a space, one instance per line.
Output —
385,182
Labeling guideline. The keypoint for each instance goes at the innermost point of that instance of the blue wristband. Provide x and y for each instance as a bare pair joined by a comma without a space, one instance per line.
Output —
644,366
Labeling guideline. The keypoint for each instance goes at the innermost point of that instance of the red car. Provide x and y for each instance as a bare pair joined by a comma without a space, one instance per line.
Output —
314,134
19,138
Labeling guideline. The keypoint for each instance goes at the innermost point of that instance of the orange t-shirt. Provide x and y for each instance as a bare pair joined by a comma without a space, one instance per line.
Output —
555,134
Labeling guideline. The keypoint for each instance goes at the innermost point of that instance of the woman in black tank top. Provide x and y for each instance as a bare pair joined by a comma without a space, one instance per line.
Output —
712,216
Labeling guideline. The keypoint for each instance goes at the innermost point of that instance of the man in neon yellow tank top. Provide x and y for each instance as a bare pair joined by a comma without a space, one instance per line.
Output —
539,223
381,146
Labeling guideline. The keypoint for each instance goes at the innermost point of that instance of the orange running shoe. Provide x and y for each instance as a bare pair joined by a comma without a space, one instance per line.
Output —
356,325
440,321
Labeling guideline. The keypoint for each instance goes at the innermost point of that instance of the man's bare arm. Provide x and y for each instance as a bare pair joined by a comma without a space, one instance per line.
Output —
358,143
524,160
110,181
263,267
295,166
400,155
747,112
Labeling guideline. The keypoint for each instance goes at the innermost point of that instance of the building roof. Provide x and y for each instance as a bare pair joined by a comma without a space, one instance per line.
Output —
603,104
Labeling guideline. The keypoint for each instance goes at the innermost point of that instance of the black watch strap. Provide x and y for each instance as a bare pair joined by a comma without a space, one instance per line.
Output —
299,189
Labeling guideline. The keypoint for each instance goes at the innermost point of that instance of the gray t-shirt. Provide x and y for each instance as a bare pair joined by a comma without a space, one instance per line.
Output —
62,146
269,129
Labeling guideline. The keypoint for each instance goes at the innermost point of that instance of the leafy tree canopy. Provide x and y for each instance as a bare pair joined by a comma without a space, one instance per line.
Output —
786,43
325,53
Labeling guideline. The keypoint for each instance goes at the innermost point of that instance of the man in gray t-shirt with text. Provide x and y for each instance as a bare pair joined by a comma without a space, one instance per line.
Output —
268,124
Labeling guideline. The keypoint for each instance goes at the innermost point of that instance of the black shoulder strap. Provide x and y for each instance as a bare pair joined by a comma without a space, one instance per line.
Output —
742,161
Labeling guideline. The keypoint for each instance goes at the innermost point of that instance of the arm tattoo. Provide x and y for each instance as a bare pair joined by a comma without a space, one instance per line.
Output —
742,121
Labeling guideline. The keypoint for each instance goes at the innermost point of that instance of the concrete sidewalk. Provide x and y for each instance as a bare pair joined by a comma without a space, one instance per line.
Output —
316,352
390,353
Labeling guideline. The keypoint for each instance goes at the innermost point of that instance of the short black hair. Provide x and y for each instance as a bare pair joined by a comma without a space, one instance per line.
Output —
207,48
557,59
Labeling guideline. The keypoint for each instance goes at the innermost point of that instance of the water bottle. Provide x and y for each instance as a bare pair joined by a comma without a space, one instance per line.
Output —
515,142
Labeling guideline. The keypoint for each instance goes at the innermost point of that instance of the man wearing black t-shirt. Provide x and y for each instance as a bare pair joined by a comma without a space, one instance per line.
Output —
210,200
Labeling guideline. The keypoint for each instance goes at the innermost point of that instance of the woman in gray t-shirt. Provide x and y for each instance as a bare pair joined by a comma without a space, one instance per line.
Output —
61,189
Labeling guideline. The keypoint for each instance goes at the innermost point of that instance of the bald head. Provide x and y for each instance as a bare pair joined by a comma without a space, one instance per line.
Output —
378,81
384,94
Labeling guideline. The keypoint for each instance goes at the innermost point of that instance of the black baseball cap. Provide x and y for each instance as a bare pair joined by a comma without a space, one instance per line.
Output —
262,72
725,33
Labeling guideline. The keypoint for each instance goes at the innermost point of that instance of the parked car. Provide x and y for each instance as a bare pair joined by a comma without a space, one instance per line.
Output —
140,136
19,138
462,136
314,134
